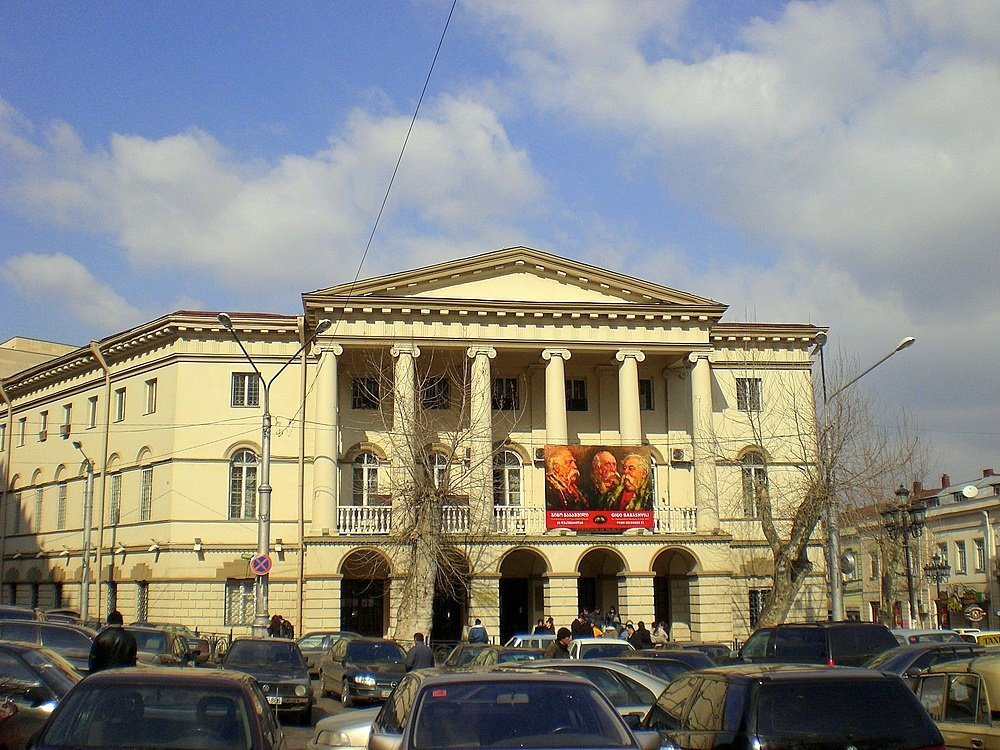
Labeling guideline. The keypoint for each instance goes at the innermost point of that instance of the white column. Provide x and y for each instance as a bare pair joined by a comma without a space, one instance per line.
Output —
556,431
481,436
629,420
325,480
404,409
706,494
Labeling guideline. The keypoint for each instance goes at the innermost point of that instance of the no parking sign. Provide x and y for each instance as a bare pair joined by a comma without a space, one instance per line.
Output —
260,564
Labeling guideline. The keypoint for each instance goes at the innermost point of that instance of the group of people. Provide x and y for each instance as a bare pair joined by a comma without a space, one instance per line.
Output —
595,624
280,627
613,484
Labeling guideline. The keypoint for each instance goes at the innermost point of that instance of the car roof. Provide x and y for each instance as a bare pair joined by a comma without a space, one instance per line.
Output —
828,625
210,678
493,674
600,639
783,672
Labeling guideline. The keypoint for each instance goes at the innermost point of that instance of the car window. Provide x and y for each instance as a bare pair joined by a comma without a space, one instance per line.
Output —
708,707
23,632
392,717
610,684
64,638
931,691
801,644
312,641
963,700
380,651
860,641
668,711
12,668
268,721
757,645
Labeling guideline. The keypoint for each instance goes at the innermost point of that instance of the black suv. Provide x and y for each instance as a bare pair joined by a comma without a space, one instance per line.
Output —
831,643
786,705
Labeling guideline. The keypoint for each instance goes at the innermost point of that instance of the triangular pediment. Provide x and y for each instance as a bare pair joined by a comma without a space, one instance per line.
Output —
516,274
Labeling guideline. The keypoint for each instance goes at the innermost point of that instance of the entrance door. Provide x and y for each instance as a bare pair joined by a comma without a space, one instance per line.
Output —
446,625
514,603
661,600
362,604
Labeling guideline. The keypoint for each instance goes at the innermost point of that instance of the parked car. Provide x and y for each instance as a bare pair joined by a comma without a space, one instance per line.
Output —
461,654
279,667
345,731
487,657
597,648
503,709
161,648
169,708
72,642
33,680
963,699
10,612
665,669
720,653
315,644
63,614
361,669
631,691
830,643
908,661
200,648
925,635
741,707
529,640
694,659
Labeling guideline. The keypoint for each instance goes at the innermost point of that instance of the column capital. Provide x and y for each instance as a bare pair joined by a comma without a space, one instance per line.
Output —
329,347
412,349
693,357
563,354
474,351
635,354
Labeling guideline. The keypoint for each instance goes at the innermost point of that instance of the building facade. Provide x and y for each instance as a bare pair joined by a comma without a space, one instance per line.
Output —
501,356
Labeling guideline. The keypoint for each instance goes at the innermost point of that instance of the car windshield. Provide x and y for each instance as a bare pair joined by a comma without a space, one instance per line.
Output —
862,710
156,642
889,661
264,654
125,715
380,651
54,670
519,714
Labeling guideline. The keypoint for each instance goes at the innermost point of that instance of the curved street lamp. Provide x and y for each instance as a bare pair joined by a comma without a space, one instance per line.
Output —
262,604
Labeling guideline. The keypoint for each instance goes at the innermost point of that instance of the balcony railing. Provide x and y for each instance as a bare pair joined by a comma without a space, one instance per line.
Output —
510,519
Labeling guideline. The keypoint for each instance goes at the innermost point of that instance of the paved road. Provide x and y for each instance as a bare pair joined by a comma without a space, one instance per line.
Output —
297,736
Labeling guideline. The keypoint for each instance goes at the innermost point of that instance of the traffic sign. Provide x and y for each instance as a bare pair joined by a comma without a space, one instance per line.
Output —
260,564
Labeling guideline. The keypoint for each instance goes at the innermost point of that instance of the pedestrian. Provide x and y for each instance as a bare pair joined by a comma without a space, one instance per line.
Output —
660,635
612,619
644,636
550,625
580,628
630,635
287,629
420,655
478,634
113,646
540,628
274,629
559,648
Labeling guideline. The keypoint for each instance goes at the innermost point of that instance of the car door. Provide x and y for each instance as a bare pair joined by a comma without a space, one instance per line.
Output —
959,705
334,667
667,715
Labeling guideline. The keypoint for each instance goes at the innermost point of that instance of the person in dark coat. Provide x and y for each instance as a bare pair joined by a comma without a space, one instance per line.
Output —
274,629
580,628
478,634
644,638
113,646
420,655
287,629
559,648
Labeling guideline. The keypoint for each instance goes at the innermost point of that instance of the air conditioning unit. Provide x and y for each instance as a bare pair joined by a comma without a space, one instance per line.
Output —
43,435
64,431
540,455
680,456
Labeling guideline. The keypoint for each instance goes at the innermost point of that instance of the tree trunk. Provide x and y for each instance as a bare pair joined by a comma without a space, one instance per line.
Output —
789,575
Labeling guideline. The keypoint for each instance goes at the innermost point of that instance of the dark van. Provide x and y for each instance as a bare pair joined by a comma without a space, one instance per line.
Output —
831,643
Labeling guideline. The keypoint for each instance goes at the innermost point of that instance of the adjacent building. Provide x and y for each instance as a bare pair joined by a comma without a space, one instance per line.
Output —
506,358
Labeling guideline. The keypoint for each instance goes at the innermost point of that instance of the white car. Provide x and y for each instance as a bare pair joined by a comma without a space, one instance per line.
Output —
345,731
526,640
598,648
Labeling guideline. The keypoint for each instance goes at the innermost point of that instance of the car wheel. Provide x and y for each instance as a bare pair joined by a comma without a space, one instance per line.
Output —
345,695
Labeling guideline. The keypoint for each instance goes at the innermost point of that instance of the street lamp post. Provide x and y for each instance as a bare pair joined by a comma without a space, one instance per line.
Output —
261,616
88,509
832,528
938,571
904,520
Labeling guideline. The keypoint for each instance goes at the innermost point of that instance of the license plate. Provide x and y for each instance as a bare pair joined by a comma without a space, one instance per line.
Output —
274,700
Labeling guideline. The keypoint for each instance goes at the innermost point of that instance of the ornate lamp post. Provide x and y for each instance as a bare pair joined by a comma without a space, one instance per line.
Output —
938,571
902,521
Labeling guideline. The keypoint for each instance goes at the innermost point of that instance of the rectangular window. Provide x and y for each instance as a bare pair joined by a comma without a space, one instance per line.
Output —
435,393
142,601
57,595
92,412
873,559
67,422
942,550
240,602
22,426
61,507
505,394
960,561
576,394
980,555
18,510
43,429
146,496
120,405
365,393
116,499
33,596
36,518
748,394
151,396
645,394
758,598
3,436
246,389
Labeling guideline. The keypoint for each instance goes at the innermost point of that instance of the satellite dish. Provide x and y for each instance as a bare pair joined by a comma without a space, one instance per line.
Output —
970,491
848,562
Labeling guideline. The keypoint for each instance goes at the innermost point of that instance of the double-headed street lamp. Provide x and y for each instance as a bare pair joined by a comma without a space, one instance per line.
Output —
938,571
904,520
261,616
88,509
832,527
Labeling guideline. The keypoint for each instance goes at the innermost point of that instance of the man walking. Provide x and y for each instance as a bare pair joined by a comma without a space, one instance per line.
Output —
478,634
113,646
420,655
559,648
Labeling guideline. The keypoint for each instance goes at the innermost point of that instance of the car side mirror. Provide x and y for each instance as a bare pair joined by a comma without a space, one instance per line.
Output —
648,739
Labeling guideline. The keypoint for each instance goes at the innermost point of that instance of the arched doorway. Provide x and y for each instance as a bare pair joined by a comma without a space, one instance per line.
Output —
673,570
364,592
597,585
522,592
451,599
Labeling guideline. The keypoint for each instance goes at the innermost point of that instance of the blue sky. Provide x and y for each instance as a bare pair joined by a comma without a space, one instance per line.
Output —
829,162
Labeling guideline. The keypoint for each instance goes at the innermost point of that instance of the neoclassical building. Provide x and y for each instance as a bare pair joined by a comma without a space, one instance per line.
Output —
505,354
